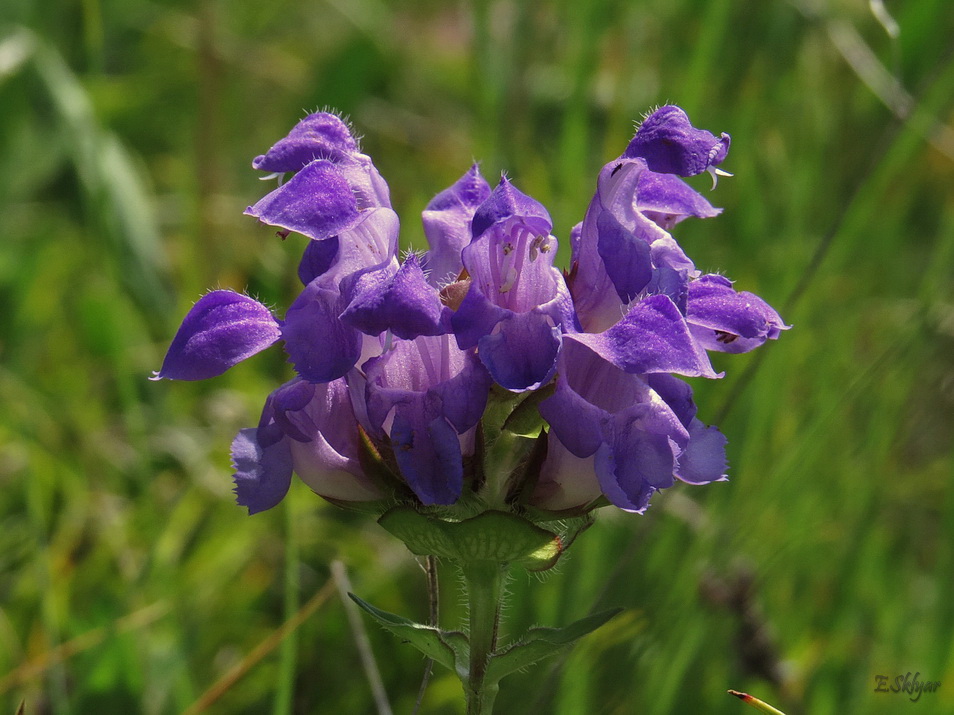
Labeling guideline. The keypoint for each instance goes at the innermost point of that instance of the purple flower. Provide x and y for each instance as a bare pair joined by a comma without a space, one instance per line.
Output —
726,321
620,253
395,361
518,305
307,428
352,257
671,145
324,136
447,221
623,251
636,433
427,396
317,136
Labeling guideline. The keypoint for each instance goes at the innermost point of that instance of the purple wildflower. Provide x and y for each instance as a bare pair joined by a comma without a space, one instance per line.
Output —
427,396
636,433
395,361
307,428
517,306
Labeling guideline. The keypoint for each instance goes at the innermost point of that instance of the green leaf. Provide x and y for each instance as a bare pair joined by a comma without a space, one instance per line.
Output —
539,643
489,536
449,648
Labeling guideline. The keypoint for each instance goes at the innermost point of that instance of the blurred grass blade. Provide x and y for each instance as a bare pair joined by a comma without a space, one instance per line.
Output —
223,684
37,666
360,635
288,655
15,50
756,703
116,198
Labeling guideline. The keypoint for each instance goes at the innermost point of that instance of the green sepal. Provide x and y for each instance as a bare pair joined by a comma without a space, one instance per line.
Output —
376,507
489,536
449,648
539,643
525,419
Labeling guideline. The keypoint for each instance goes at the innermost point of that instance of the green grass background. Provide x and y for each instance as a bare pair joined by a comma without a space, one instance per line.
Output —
129,580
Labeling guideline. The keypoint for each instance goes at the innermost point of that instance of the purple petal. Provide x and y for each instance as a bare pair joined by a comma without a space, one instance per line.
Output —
317,259
627,258
703,461
371,244
522,354
666,200
320,346
676,393
328,462
276,421
428,454
633,466
595,298
507,202
653,337
262,475
317,136
317,202
469,192
402,302
667,253
566,481
447,221
369,187
463,397
429,369
617,193
613,212
475,318
671,145
331,474
726,321
513,267
574,420
222,329
672,283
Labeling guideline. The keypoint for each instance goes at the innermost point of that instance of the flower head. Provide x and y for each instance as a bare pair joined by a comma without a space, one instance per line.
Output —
397,361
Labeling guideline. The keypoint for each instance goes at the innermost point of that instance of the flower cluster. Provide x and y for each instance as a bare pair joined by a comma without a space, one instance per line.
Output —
396,360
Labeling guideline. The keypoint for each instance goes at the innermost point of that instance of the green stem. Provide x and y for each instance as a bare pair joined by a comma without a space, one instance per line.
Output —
484,581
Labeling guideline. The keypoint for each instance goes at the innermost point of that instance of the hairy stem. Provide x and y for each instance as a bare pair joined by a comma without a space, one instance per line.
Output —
484,581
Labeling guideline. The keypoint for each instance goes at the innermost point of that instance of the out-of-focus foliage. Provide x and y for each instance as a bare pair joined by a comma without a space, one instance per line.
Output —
130,582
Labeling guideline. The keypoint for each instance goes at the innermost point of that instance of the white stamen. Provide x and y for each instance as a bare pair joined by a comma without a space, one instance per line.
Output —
535,248
715,173
511,279
274,175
